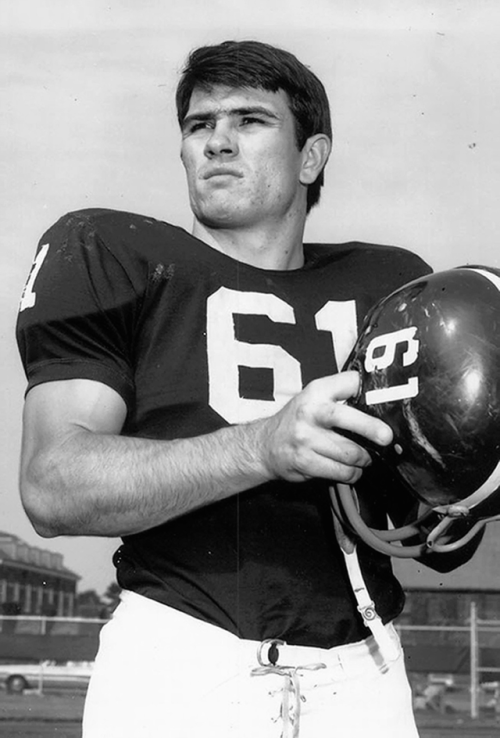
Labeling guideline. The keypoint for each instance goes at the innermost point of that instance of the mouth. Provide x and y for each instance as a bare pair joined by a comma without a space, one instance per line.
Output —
221,172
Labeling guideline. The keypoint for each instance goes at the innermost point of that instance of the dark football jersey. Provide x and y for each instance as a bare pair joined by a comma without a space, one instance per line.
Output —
194,341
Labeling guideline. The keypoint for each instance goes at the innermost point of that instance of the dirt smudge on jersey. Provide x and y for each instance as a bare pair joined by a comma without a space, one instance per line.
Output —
163,272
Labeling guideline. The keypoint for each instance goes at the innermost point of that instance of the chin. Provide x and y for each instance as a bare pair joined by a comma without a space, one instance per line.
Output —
221,218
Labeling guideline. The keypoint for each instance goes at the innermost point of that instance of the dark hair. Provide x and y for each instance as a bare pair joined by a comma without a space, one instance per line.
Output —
257,65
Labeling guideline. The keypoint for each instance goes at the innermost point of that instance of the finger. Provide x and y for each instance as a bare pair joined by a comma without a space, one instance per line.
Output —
330,456
313,465
339,386
335,447
343,417
325,468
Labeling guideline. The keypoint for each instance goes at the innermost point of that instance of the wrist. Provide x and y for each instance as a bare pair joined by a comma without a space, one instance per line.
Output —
255,445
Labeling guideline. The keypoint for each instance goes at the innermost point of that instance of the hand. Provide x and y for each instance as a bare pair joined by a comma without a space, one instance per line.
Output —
301,441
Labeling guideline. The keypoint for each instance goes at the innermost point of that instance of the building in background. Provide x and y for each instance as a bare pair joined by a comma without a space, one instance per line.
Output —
34,581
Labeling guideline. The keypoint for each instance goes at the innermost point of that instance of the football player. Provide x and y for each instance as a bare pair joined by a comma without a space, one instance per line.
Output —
185,394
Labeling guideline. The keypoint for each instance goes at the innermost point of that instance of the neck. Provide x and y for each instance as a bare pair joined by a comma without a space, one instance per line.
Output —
264,247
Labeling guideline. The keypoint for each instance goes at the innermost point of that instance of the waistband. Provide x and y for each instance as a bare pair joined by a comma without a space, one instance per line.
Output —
348,660
352,658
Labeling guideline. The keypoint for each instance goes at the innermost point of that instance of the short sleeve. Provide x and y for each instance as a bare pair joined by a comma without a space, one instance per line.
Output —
78,310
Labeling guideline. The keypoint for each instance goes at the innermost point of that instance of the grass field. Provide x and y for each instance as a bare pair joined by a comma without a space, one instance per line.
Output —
51,707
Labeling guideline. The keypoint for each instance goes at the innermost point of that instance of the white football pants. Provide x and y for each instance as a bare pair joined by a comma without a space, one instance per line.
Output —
162,674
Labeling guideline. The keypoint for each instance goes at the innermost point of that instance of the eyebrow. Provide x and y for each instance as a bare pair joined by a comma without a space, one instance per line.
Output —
241,111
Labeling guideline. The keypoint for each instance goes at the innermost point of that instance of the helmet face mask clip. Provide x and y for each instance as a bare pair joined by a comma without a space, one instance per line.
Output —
428,356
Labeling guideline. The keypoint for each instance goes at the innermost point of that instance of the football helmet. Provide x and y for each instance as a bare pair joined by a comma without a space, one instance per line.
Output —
428,356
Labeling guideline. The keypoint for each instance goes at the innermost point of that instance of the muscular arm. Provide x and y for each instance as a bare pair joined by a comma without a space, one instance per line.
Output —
79,476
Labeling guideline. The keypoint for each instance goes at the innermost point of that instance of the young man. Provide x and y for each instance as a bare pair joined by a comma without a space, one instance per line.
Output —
185,394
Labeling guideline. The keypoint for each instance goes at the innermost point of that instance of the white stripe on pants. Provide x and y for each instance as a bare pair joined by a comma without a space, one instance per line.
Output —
161,673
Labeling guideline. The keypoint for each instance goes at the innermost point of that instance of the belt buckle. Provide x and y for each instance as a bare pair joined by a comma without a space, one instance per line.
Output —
273,653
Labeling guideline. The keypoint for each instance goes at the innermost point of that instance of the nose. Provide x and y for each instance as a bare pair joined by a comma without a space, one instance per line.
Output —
222,141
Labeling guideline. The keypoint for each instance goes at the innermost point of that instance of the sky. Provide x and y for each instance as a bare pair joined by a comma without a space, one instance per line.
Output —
87,119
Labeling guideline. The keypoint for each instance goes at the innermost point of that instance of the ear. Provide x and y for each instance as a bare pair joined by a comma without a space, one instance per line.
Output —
315,155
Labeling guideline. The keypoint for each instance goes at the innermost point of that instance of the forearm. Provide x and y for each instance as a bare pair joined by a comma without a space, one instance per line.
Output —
80,476
110,485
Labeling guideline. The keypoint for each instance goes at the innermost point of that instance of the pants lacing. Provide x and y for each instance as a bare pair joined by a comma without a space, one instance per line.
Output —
292,699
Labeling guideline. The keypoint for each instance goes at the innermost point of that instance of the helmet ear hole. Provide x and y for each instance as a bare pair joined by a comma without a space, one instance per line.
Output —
428,358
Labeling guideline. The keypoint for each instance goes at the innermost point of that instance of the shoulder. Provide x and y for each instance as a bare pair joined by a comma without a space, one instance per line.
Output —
362,251
114,225
393,263
98,235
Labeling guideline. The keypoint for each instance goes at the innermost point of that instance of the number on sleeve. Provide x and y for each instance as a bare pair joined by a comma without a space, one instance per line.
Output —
28,298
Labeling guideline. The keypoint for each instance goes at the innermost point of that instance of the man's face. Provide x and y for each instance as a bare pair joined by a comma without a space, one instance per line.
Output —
241,158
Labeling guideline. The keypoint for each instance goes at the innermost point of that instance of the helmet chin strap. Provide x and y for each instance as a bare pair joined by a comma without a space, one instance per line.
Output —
346,518
346,509
366,606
